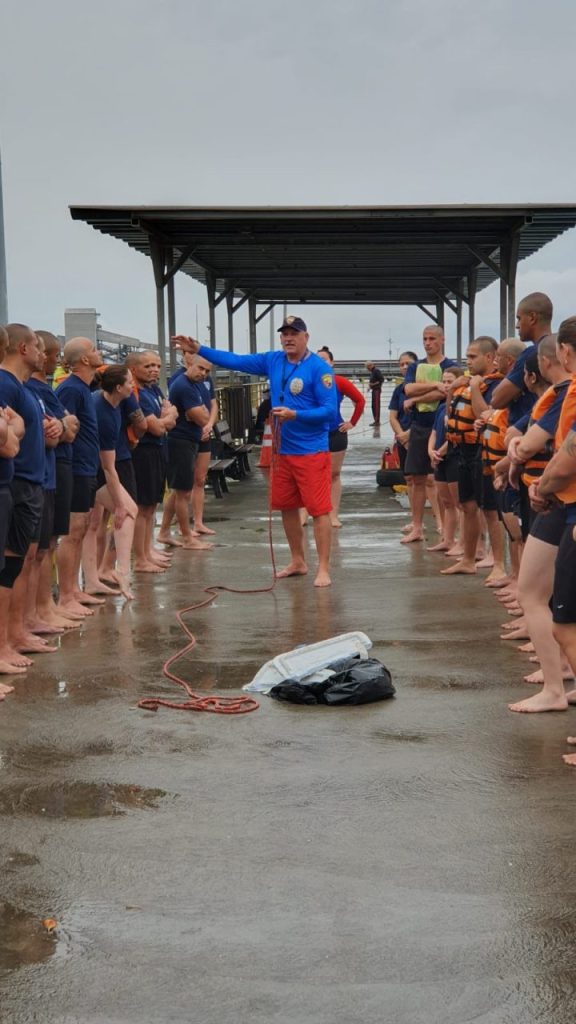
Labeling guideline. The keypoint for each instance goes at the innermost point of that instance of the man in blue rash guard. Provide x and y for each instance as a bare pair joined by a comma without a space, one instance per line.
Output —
303,403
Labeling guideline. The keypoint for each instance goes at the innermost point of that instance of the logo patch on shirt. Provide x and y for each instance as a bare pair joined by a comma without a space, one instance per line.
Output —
296,386
327,380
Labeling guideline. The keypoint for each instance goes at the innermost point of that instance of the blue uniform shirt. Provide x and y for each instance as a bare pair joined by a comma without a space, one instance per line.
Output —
396,404
185,394
549,421
109,422
53,407
30,462
128,406
307,387
440,425
150,401
77,398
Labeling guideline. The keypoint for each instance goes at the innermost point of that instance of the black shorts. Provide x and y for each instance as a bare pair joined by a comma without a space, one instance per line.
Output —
24,529
550,526
83,493
402,453
47,521
417,459
5,517
149,462
181,460
63,498
127,476
564,596
469,472
204,446
447,471
337,441
486,499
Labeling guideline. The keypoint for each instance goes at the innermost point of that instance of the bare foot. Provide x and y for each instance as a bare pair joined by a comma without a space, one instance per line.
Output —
513,625
528,649
336,524
295,568
75,609
7,669
408,528
412,537
569,759
202,528
167,538
192,544
28,643
322,579
124,583
90,590
538,677
495,576
83,597
4,689
460,568
13,657
441,546
42,628
515,634
148,567
485,563
455,552
540,702
499,583
60,621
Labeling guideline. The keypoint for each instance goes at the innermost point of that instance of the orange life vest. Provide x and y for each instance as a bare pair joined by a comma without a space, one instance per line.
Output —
493,447
461,416
534,467
565,424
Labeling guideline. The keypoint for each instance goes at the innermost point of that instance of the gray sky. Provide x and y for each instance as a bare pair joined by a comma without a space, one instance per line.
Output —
268,102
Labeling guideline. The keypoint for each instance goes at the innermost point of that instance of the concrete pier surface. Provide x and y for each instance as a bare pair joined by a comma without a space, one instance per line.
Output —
409,862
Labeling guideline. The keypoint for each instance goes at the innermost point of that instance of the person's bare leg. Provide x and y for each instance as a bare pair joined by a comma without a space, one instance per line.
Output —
90,547
534,588
470,530
433,499
164,535
68,559
418,504
336,461
497,542
295,537
155,555
19,636
11,661
565,635
198,493
450,518
323,538
190,541
142,554
46,606
33,619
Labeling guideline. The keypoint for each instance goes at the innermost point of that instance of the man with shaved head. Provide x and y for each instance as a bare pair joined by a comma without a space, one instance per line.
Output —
424,391
533,322
83,359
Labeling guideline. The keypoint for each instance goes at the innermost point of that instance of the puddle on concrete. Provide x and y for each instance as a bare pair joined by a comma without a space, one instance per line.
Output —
76,799
23,938
400,737
43,755
20,859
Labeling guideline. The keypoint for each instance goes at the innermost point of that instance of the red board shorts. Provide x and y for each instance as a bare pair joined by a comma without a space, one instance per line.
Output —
302,481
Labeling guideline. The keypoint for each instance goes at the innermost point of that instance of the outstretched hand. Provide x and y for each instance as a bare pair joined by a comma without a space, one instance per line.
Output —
185,343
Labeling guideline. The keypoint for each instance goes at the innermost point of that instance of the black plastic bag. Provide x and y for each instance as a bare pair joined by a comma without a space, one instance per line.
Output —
356,681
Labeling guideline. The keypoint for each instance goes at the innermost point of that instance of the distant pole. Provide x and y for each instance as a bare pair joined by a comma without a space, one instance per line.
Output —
3,284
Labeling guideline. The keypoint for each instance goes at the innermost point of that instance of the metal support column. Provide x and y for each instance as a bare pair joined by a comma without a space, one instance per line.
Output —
158,263
503,309
472,277
211,292
252,324
171,307
440,313
230,316
512,265
458,329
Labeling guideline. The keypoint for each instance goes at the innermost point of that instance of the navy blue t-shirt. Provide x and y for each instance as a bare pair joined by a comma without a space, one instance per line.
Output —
53,407
177,373
150,400
520,408
109,420
30,462
425,418
76,397
440,425
128,406
185,394
396,404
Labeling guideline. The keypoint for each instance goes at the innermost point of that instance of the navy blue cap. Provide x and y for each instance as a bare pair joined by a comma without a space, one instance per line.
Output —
294,322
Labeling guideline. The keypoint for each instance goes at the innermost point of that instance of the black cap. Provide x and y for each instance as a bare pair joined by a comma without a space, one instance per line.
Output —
294,322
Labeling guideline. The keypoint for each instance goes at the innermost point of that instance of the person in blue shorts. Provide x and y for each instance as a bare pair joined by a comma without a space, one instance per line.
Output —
304,402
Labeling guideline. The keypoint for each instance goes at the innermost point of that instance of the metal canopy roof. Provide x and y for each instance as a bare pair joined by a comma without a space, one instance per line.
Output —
358,255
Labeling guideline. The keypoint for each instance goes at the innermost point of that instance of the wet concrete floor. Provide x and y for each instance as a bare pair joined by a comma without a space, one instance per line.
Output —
407,862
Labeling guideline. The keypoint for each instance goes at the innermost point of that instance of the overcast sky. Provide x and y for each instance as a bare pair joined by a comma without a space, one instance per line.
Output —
281,103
